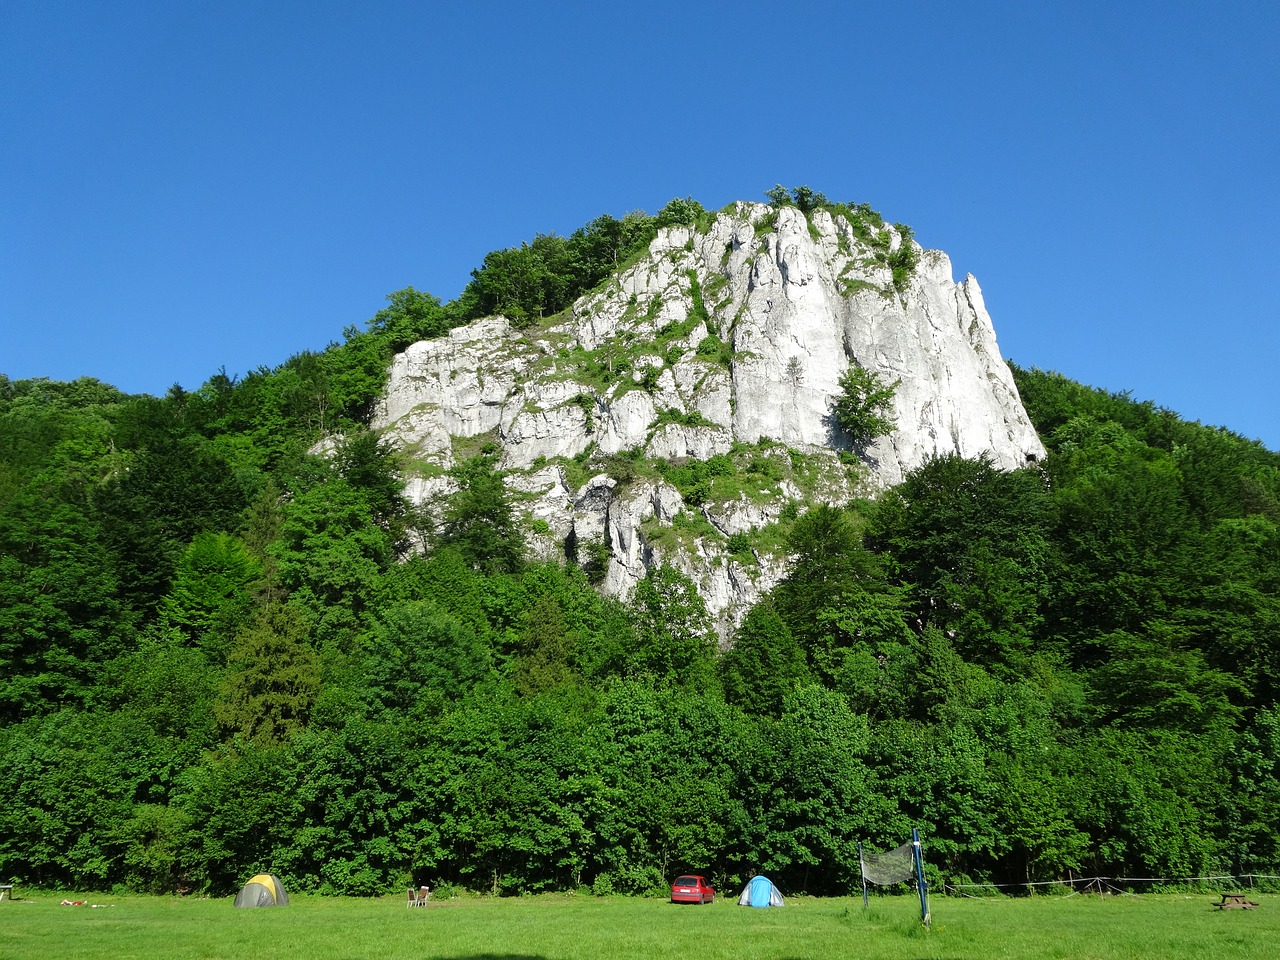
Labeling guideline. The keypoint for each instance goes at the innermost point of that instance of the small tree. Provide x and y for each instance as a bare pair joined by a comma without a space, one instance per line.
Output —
479,519
674,643
795,372
778,196
273,677
764,665
864,406
805,198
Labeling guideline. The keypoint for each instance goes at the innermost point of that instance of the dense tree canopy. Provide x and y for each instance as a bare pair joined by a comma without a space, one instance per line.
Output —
221,652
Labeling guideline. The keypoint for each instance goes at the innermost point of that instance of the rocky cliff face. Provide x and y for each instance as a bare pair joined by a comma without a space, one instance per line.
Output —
721,346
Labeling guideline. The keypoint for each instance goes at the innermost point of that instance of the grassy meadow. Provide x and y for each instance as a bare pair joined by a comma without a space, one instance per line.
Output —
38,927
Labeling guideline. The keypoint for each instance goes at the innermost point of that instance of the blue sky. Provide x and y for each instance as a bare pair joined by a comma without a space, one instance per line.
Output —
186,186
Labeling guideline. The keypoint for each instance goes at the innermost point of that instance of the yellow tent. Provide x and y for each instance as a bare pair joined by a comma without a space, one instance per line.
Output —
264,890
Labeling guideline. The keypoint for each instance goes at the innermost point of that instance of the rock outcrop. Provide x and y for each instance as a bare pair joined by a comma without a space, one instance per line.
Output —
718,344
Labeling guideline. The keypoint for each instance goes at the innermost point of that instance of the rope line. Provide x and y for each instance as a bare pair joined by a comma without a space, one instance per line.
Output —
1085,884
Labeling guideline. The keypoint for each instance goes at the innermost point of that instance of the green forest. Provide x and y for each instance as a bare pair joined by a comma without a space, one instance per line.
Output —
221,653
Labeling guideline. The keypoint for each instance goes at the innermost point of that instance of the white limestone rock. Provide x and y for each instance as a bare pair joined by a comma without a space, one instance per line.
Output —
627,421
676,442
797,306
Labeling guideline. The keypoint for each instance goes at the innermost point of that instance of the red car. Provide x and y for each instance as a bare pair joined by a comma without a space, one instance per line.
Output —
691,888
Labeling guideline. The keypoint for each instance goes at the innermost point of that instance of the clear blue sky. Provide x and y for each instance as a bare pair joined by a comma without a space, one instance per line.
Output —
186,186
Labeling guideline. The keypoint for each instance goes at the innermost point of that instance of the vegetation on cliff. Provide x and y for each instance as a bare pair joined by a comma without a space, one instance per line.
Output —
220,653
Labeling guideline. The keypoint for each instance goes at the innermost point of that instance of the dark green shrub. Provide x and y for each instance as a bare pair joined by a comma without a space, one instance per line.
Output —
678,212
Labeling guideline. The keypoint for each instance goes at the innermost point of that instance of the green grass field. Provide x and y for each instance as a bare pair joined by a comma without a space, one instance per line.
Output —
577,928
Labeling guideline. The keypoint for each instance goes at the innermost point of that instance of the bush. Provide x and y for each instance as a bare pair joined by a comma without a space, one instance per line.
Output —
905,259
680,213
805,199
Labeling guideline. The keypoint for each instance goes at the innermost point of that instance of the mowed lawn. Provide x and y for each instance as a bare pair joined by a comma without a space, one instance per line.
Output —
582,927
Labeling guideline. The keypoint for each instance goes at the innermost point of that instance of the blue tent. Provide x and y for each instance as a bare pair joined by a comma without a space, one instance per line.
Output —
760,892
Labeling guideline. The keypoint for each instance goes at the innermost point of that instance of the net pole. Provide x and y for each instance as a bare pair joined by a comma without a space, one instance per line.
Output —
917,854
862,869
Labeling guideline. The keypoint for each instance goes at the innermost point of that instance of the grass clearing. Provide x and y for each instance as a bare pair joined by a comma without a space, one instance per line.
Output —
567,927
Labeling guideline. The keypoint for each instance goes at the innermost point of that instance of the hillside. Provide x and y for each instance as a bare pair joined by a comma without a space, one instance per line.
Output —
725,341
550,588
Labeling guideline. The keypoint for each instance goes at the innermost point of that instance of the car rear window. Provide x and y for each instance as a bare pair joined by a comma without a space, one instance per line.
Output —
686,881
